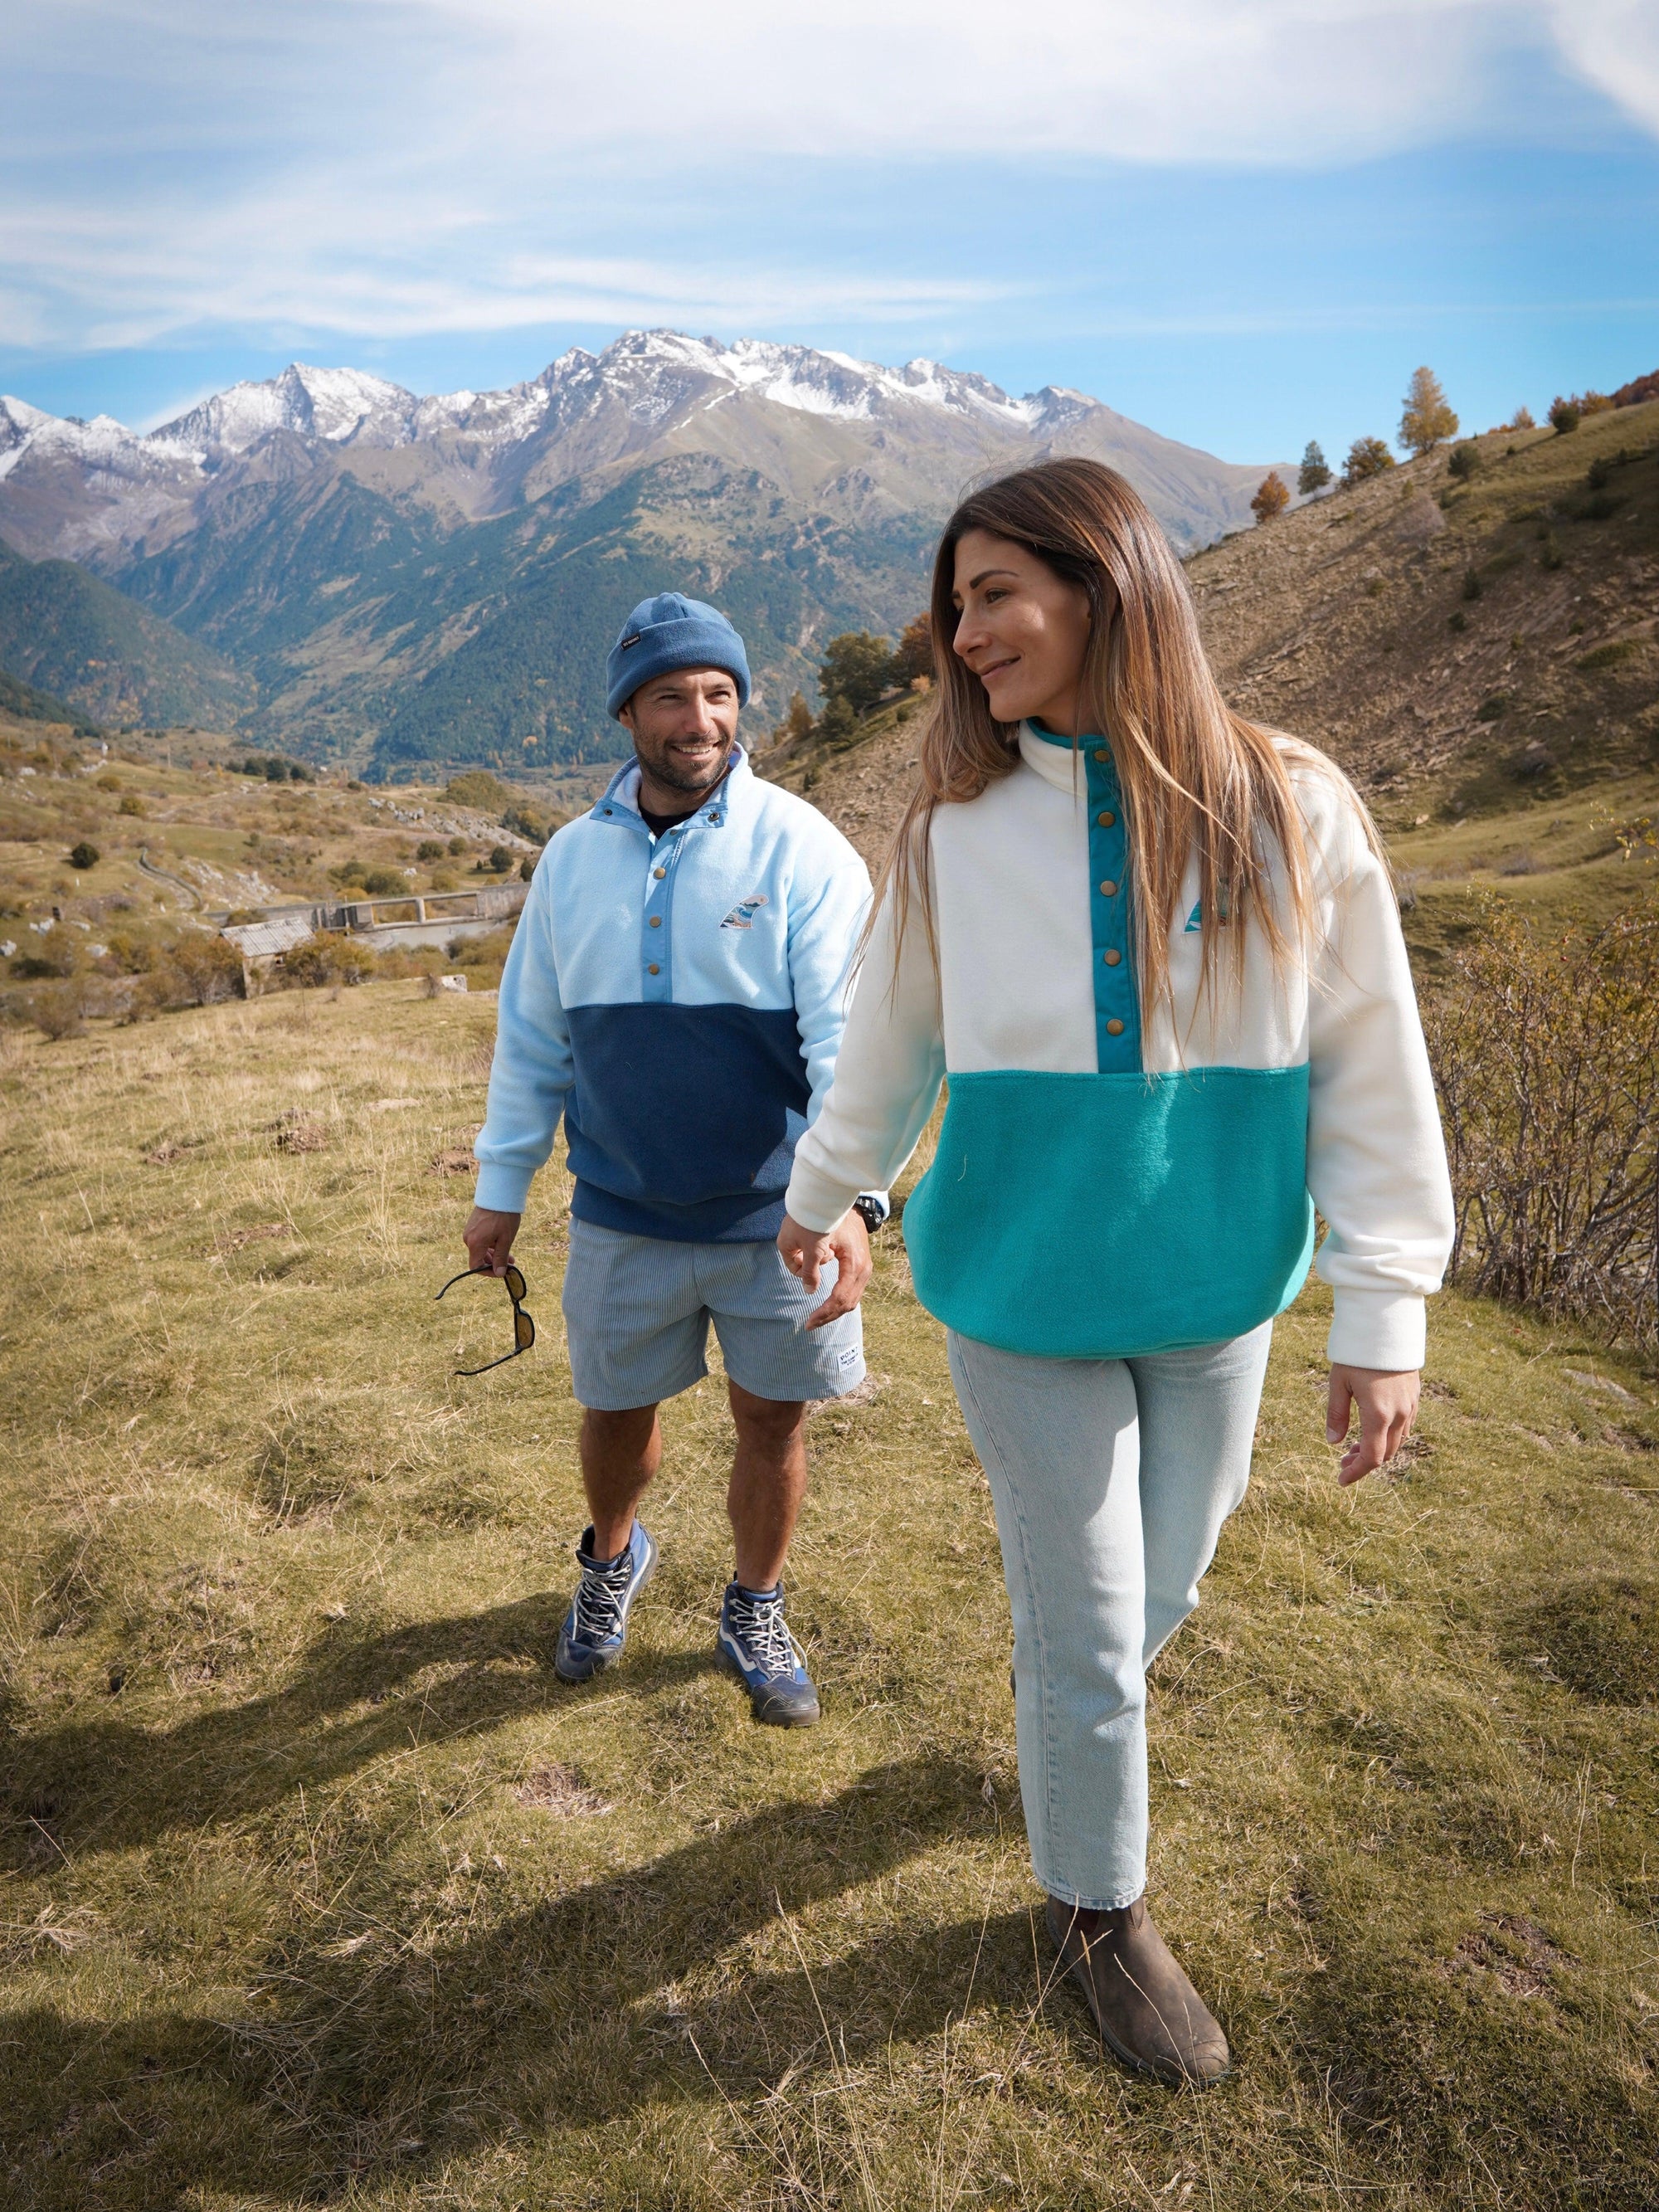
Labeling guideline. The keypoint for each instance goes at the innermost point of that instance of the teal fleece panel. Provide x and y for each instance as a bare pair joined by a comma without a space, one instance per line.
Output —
1101,1216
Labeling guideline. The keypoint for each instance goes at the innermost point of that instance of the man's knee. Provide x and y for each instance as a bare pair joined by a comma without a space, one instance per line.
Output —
609,1431
766,1423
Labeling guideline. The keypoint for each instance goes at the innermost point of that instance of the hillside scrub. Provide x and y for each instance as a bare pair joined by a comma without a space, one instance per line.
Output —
1546,1054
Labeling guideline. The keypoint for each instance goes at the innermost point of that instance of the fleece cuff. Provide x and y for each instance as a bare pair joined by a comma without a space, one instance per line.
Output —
502,1189
1378,1329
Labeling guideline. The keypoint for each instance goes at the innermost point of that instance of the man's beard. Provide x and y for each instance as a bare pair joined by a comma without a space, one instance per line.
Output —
667,772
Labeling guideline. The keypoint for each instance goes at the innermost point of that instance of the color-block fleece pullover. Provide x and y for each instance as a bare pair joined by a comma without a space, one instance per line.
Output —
678,1000
1100,1192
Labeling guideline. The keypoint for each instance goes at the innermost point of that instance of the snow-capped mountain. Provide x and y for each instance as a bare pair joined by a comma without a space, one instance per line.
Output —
85,489
356,548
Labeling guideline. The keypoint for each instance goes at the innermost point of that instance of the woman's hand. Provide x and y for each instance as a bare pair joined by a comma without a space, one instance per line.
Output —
1386,1401
806,1253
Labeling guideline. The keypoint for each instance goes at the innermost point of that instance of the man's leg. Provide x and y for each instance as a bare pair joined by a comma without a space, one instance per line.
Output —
768,1480
620,1455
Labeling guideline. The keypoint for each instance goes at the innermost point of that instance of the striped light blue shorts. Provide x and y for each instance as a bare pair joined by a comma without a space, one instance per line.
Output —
637,1311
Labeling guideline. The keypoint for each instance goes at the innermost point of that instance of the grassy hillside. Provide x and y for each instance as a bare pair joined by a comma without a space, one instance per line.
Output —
66,631
320,1888
1482,657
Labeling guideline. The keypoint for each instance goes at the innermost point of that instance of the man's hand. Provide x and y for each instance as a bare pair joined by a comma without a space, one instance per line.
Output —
1387,1404
806,1254
489,1239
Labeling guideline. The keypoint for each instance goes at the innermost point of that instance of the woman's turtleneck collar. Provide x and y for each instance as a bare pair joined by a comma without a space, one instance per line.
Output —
1055,759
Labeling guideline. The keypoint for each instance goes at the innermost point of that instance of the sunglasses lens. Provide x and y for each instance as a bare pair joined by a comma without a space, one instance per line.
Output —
523,1330
514,1280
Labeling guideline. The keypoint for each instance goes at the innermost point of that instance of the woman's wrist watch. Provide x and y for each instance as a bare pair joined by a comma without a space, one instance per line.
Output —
870,1211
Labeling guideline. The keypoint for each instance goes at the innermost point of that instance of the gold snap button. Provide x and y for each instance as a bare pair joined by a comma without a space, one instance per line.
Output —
1113,1029
1107,819
660,873
1108,889
656,921
1112,957
653,969
1100,756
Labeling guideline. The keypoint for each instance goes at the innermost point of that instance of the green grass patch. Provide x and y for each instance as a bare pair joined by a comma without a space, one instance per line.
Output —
321,1888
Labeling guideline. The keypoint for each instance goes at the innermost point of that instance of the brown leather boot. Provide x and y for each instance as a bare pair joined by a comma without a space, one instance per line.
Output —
1148,2012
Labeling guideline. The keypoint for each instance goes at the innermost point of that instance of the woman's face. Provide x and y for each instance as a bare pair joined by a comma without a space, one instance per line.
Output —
1021,629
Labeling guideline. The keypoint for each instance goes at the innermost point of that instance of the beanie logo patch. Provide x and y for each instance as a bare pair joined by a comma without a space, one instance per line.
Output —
742,916
627,642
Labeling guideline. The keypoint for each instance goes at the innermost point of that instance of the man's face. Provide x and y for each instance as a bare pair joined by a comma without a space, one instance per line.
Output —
684,727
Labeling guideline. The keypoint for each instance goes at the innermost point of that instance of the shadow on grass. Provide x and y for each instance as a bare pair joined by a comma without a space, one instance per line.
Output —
573,2014
108,1784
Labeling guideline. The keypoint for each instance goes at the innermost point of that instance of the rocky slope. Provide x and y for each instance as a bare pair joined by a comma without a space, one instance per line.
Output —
1480,655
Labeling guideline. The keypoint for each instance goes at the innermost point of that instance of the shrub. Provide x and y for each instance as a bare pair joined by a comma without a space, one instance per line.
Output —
457,846
329,957
1608,656
132,804
1552,556
526,868
385,882
912,655
796,724
201,971
1464,461
1564,417
477,787
1547,1058
83,856
430,848
857,667
1367,457
1271,497
1457,619
1521,420
59,1009
500,860
1493,706
1471,585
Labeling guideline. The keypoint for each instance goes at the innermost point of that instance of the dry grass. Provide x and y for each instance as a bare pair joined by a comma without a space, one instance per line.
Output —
309,1895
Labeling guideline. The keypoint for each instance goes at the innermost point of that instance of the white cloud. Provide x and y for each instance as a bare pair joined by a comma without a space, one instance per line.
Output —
390,167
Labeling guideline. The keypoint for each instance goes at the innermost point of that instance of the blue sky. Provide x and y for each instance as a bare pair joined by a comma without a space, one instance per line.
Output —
1243,224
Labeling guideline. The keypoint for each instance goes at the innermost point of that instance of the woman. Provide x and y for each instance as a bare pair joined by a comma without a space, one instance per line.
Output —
1155,950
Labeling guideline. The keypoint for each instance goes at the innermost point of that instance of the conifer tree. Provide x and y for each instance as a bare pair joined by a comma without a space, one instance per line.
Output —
1271,497
1427,419
1314,473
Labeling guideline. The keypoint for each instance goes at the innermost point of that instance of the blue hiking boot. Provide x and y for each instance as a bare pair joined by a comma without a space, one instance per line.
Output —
755,1644
595,1627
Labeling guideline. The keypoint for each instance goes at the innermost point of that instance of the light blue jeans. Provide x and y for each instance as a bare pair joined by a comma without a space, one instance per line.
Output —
1111,1479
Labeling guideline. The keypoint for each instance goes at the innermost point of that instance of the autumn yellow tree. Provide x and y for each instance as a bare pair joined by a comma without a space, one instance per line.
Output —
1427,418
1271,497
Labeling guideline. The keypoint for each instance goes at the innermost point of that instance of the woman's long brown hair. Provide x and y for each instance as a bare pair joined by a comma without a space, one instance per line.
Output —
1196,778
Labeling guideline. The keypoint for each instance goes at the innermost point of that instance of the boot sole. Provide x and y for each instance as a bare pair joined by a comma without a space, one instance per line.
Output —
1172,2077
603,1666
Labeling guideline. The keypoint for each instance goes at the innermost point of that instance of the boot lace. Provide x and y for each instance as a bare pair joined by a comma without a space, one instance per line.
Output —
760,1626
599,1595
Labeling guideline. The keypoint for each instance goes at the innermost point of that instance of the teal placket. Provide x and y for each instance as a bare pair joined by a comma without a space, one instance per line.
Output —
1117,1005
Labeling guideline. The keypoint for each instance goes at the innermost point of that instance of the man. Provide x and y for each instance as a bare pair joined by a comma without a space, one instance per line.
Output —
675,991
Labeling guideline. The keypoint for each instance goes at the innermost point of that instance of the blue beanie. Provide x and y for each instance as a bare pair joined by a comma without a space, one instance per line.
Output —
668,632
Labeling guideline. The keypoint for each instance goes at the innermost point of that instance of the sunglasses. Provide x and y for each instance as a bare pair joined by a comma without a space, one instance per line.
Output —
524,1329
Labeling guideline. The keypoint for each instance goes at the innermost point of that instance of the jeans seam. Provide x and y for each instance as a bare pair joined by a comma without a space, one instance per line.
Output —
1033,1586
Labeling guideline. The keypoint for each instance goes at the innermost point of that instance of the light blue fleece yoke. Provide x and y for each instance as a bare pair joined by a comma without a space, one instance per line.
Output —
679,1001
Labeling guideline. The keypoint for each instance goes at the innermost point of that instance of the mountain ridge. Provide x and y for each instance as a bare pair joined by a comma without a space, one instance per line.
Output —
410,580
